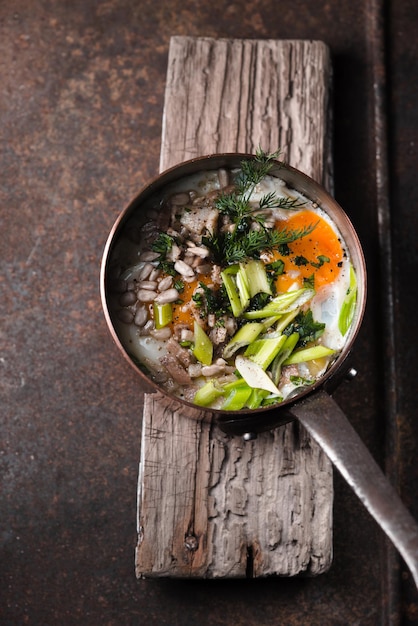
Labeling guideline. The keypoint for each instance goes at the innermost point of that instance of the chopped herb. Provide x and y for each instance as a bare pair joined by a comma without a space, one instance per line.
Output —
299,381
179,285
309,282
198,299
211,301
167,267
276,267
284,249
301,260
306,327
321,260
214,300
162,244
259,301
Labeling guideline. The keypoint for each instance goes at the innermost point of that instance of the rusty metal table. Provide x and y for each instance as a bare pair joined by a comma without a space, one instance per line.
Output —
81,101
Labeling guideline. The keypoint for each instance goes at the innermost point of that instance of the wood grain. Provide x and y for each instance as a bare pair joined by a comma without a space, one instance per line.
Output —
211,505
227,95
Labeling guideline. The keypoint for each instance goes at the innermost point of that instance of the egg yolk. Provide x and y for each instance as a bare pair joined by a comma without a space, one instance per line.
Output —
183,314
318,254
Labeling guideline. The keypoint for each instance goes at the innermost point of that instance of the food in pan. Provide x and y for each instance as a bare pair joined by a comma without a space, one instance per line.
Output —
232,290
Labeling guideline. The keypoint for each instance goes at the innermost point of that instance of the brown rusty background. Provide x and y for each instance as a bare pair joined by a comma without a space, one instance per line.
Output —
81,101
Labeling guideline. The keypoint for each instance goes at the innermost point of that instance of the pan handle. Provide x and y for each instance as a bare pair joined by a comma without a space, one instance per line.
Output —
327,424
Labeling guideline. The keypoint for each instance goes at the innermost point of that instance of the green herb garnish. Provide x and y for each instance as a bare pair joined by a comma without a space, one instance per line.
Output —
305,325
238,245
321,260
179,285
284,249
300,380
162,244
167,267
300,260
248,236
276,268
309,282
213,301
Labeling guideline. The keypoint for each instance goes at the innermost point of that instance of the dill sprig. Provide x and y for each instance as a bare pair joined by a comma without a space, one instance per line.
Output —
272,201
253,171
233,247
248,235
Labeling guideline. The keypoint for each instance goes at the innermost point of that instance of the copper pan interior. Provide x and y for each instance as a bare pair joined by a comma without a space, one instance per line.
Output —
296,180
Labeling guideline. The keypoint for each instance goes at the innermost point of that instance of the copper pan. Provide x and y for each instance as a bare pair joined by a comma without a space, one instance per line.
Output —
314,406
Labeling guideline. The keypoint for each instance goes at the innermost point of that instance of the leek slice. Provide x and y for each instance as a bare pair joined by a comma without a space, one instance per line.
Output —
207,394
256,398
244,336
233,294
243,289
269,321
237,398
163,314
254,375
286,319
308,354
227,387
203,347
287,349
256,277
243,282
284,303
263,351
349,304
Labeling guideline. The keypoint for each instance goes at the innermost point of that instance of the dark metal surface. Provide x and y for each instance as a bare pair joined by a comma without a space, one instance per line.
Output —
81,103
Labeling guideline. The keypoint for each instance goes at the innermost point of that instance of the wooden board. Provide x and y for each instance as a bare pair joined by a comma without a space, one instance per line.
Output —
212,505
236,95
